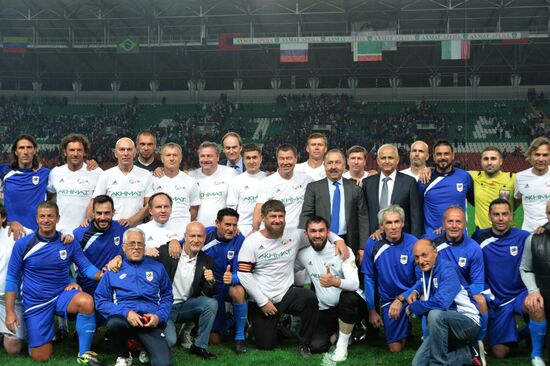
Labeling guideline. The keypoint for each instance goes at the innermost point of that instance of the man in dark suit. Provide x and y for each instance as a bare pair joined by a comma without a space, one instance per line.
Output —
193,285
392,187
350,219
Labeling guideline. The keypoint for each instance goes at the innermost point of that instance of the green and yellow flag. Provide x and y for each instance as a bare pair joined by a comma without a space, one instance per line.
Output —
128,45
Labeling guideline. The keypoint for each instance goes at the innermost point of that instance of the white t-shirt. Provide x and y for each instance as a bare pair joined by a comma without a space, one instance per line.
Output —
289,191
128,191
315,264
182,285
6,247
242,195
347,175
156,234
74,189
213,192
315,173
185,193
409,172
534,191
274,264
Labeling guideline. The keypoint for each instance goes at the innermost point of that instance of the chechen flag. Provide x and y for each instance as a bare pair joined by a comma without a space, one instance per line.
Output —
455,50
294,52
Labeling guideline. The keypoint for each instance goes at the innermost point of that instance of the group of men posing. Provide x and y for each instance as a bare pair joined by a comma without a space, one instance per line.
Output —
155,247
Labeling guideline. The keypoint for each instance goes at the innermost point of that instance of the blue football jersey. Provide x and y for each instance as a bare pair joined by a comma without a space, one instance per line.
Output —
390,265
223,253
442,191
99,247
502,257
466,256
42,267
24,189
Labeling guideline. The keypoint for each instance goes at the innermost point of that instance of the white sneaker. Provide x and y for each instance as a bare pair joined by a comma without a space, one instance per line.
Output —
482,353
339,354
143,356
537,361
121,361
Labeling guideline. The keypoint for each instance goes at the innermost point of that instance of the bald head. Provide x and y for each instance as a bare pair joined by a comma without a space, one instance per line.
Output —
419,154
125,152
425,254
195,236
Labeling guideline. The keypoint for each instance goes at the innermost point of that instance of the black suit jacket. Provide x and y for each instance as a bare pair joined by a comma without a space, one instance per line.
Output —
405,194
201,287
317,203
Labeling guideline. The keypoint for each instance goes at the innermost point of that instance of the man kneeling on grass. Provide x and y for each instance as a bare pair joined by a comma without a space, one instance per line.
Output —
453,318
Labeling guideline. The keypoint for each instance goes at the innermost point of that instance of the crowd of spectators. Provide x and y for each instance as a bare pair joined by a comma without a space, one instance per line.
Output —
338,115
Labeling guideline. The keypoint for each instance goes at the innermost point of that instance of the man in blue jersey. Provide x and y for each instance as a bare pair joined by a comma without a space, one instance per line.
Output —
388,267
453,319
447,186
40,265
136,302
464,252
502,247
24,182
223,244
101,240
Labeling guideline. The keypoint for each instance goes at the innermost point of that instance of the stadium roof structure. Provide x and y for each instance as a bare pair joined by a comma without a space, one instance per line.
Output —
174,41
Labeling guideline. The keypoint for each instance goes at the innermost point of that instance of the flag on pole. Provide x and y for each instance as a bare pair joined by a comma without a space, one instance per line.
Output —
455,50
15,44
294,52
225,42
128,45
367,51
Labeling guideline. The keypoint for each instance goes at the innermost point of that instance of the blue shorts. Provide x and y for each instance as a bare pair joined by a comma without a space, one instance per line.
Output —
502,327
39,318
395,330
220,322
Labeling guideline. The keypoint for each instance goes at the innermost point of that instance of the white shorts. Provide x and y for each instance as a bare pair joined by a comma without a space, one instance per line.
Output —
21,332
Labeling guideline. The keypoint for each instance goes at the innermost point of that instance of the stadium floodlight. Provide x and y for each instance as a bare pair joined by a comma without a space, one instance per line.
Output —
36,85
474,80
201,84
77,86
237,84
395,82
353,82
191,85
313,82
515,79
275,83
115,85
154,85
435,80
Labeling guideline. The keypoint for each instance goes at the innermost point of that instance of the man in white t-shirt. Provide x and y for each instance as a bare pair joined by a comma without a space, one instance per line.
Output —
156,231
266,271
419,155
316,148
213,180
357,164
183,189
336,283
285,185
532,186
243,190
13,342
128,185
72,185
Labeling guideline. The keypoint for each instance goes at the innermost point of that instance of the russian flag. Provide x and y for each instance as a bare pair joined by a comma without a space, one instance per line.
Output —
294,52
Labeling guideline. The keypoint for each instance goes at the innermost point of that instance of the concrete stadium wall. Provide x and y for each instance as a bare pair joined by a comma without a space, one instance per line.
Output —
268,96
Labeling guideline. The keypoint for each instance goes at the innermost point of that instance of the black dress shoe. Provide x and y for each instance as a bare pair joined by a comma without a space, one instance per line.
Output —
305,352
202,352
240,347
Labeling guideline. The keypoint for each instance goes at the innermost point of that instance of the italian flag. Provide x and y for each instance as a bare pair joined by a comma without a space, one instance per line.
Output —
455,50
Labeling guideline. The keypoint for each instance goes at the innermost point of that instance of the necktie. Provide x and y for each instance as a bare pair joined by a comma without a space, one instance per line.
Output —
335,213
384,202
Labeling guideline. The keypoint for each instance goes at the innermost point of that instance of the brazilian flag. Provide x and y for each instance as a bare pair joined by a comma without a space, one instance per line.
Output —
128,45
